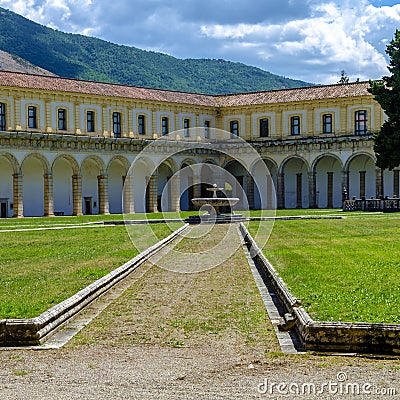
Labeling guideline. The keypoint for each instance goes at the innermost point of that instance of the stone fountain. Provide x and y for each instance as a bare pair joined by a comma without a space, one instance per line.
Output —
213,205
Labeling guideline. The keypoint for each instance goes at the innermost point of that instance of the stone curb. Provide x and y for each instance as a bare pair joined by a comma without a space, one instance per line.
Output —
342,337
35,331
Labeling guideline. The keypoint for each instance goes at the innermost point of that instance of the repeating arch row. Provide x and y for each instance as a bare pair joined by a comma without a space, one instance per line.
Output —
65,185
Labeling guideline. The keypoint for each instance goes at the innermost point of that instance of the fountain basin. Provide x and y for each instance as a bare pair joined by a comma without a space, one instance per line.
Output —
215,203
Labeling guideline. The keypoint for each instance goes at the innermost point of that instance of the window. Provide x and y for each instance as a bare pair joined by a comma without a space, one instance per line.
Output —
62,119
116,124
164,126
264,127
295,125
32,121
234,128
207,129
327,123
186,126
360,122
90,127
2,117
141,124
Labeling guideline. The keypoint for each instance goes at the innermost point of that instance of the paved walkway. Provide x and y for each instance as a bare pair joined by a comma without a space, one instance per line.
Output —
202,335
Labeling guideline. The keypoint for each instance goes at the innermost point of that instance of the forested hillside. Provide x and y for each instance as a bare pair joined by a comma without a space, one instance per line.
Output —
82,57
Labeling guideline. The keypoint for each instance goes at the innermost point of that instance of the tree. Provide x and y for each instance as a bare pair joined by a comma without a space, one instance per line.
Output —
387,93
344,78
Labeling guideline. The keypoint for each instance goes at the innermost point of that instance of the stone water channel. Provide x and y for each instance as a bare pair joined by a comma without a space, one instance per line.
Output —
207,267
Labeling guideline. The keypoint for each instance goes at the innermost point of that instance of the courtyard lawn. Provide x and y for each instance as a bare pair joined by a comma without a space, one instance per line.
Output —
39,269
342,270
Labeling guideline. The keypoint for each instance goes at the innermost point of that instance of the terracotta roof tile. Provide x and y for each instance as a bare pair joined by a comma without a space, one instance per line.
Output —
103,89
134,92
293,95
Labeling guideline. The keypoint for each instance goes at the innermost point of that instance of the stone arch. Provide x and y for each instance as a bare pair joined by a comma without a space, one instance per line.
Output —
327,177
241,182
64,167
97,160
117,170
164,190
72,161
264,173
13,161
294,186
41,158
92,170
35,187
361,175
189,184
141,183
9,166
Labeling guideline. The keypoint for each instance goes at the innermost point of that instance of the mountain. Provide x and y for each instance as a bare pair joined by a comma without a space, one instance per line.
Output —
10,62
77,56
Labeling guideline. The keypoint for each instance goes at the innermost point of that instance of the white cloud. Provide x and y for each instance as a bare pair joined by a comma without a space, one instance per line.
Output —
303,39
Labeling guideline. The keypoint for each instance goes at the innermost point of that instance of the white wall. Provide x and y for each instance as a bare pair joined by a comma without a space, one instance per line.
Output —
115,186
33,187
62,186
6,183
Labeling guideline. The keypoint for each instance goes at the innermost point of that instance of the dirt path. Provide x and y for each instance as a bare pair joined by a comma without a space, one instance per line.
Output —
201,335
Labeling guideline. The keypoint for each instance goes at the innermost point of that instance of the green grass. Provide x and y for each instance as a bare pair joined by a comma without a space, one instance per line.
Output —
342,270
39,269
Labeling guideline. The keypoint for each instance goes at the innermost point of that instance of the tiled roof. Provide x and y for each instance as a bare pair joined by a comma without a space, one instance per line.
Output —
102,89
133,92
293,95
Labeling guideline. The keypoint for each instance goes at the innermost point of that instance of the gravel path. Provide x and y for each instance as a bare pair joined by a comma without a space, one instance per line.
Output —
189,336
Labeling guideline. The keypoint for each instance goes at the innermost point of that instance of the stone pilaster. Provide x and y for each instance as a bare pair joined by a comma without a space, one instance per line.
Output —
271,195
128,206
312,190
299,190
396,183
345,185
250,191
362,183
17,196
48,195
77,195
196,185
152,193
330,189
379,183
175,193
102,181
281,190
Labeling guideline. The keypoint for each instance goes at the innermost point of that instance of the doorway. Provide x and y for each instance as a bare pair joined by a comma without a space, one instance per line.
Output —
88,206
3,209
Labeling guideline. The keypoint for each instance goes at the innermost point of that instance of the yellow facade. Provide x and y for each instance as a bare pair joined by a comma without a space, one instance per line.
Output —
49,119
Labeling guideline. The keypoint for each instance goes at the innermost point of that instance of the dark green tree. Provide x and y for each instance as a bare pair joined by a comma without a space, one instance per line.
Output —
387,93
344,78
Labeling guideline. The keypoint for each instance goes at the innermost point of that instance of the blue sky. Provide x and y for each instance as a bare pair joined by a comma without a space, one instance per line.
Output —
303,39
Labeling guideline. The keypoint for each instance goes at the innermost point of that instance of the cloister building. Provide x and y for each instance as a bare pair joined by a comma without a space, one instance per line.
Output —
66,145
